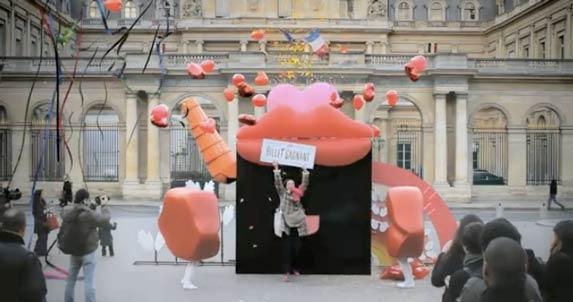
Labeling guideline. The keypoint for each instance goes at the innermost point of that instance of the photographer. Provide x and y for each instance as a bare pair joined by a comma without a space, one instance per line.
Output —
6,196
78,237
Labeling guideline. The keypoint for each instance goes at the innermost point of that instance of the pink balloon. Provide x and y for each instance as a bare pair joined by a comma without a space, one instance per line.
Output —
419,63
312,96
392,97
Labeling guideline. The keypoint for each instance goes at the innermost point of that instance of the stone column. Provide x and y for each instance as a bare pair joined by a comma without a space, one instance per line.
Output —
440,142
428,135
185,46
549,40
244,45
12,30
532,48
517,159
132,146
199,45
569,35
567,158
369,47
516,43
461,141
152,146
500,47
263,45
27,38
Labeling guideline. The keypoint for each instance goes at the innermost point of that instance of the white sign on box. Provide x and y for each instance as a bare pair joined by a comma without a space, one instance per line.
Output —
288,154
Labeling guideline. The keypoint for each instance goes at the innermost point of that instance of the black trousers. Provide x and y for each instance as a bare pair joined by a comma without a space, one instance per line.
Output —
553,198
291,249
41,247
109,247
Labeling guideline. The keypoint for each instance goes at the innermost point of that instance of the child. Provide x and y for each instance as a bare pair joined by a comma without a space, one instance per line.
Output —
105,237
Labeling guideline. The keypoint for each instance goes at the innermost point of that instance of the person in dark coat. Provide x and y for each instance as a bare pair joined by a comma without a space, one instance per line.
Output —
67,195
559,273
473,262
105,237
40,223
21,276
452,260
553,195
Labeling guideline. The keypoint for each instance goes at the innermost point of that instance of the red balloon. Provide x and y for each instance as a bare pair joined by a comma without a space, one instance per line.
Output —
262,79
419,63
245,90
208,125
358,101
257,34
259,100
369,94
159,115
208,65
392,97
229,94
195,71
411,72
237,79
247,119
113,5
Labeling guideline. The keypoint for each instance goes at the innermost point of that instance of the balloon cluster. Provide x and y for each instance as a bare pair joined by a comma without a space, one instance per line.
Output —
199,71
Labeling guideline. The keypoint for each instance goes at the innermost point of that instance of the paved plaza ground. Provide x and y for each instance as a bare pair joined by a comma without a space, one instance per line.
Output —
118,279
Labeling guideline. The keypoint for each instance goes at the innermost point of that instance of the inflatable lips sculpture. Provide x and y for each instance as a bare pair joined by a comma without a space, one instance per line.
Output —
195,71
208,65
392,97
368,92
247,119
358,102
262,79
415,67
159,116
217,156
339,139
237,79
245,90
257,34
259,100
190,224
229,94
113,5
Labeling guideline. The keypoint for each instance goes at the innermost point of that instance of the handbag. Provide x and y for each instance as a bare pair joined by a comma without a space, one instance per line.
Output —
52,221
278,223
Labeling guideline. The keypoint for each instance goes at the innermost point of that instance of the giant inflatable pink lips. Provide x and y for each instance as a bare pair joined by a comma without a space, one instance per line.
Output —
306,117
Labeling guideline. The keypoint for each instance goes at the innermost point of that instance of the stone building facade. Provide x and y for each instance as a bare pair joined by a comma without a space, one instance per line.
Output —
491,119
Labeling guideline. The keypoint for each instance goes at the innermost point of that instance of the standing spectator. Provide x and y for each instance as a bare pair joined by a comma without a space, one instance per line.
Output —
553,195
559,274
105,237
476,286
78,237
473,261
40,223
66,196
451,260
21,276
504,272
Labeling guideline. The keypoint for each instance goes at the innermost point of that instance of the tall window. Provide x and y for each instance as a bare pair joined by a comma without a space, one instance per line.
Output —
44,146
543,147
5,146
94,9
404,12
404,156
489,147
469,12
526,51
3,37
436,10
130,10
406,139
19,35
101,145
542,49
561,45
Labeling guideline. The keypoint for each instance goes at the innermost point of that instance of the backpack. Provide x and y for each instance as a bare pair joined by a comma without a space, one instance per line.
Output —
71,239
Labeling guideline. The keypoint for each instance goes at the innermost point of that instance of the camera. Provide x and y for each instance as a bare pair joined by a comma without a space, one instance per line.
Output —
7,195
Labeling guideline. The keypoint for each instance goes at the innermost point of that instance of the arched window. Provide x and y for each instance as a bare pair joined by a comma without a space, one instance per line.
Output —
489,147
130,10
543,146
45,146
93,10
5,146
101,144
436,12
404,11
469,12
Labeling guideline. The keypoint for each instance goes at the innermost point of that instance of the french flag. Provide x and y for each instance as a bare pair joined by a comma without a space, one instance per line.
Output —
317,43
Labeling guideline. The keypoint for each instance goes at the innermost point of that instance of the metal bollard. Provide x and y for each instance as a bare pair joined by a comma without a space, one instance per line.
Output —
499,211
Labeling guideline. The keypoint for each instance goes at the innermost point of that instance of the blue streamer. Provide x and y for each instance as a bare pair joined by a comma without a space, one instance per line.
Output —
102,14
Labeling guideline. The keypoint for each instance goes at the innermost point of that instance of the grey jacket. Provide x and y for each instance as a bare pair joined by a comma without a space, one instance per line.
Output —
88,221
475,287
293,212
